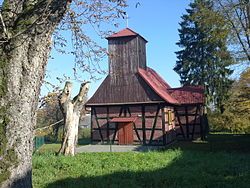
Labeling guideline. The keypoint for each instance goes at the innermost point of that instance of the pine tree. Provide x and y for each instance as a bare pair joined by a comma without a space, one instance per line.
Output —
204,58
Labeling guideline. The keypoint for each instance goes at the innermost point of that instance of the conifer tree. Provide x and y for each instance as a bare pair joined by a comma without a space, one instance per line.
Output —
204,58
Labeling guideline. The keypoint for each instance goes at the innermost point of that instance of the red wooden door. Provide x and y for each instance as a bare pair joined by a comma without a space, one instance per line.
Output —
125,133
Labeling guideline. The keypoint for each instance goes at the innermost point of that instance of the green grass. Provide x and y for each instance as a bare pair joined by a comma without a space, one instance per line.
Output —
222,161
217,142
49,148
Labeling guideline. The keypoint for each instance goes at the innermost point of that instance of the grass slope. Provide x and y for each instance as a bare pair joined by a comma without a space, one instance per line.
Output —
222,161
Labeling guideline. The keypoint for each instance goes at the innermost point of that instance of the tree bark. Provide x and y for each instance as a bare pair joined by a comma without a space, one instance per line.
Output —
24,56
71,110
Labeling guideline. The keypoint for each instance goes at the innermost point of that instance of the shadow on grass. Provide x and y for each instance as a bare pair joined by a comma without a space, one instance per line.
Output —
218,142
200,164
184,172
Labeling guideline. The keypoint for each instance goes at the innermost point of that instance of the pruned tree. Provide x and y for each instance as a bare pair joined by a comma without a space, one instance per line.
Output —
26,29
71,111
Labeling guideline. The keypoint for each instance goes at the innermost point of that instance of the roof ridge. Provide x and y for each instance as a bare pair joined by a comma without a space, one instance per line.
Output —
191,87
123,33
126,32
131,30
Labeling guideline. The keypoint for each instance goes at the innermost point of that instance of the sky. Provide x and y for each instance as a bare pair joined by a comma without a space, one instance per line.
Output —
157,21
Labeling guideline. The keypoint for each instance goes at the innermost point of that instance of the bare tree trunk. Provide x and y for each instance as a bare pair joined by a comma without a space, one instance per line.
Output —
71,110
23,58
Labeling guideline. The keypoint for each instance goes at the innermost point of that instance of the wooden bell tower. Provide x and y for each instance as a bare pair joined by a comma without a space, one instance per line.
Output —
127,53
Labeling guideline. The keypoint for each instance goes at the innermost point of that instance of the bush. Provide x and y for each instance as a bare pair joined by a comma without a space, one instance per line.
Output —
228,122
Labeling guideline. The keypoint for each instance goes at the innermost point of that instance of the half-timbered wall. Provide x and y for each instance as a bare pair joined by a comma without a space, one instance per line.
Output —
188,122
151,127
155,125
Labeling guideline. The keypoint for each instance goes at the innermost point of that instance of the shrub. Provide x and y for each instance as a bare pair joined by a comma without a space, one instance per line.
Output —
229,122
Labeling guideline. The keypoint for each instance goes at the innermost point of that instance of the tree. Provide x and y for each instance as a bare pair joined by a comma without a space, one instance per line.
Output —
26,28
71,112
204,58
237,108
239,101
237,15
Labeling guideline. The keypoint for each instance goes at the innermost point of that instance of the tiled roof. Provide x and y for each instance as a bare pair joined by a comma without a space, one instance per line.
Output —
158,78
124,33
182,95
157,84
188,94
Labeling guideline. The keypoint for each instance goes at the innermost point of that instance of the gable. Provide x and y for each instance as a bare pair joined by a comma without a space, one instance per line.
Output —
137,91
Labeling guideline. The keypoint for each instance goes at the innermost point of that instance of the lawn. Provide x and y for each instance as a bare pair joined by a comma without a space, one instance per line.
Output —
221,161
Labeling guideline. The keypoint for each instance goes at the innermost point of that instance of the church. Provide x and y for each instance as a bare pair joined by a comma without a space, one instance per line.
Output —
134,105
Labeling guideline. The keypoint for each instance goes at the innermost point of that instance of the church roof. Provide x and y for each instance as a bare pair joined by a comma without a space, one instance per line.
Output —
136,91
146,87
181,95
157,84
127,32
188,94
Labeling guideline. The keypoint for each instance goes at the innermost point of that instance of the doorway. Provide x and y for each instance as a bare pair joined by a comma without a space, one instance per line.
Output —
125,133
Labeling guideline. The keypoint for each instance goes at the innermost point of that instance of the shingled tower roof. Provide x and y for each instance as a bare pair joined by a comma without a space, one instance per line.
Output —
124,33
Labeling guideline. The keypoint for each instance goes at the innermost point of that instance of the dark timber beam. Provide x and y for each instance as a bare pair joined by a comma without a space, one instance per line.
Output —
179,121
187,123
121,111
143,125
136,131
97,123
154,124
91,126
163,121
125,111
108,124
129,112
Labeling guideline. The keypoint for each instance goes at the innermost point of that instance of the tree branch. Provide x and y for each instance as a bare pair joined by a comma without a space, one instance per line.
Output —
242,25
4,27
235,30
37,131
